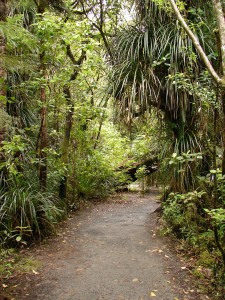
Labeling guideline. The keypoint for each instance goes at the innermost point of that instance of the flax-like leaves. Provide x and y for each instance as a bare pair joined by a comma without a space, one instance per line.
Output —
157,66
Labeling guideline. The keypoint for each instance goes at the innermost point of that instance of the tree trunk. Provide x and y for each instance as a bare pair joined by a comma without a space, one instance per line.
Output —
196,43
151,164
42,141
218,7
66,140
3,73
3,77
223,133
69,118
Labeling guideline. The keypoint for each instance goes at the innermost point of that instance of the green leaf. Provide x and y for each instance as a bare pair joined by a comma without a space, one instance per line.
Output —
18,238
213,171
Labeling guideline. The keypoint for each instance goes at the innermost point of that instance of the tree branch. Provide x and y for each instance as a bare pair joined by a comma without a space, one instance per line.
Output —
103,35
76,63
35,1
99,27
196,43
70,54
81,13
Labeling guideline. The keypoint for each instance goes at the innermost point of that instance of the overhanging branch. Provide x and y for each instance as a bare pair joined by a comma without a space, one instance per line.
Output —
196,43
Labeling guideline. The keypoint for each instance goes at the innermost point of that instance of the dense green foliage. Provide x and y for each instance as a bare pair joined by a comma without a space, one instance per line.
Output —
158,69
57,136
88,90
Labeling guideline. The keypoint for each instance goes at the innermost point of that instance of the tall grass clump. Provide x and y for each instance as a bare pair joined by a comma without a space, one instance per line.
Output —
27,214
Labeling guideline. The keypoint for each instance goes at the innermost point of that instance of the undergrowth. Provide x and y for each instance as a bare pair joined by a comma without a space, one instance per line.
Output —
27,214
12,264
188,218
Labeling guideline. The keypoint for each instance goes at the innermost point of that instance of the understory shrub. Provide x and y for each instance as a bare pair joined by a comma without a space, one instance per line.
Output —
95,177
27,214
184,214
202,228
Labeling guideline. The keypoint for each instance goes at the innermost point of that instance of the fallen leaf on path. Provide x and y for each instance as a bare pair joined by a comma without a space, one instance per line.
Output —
152,294
35,272
79,270
135,280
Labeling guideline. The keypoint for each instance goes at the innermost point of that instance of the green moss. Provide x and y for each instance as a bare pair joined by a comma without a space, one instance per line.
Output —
7,261
206,259
198,273
13,263
27,265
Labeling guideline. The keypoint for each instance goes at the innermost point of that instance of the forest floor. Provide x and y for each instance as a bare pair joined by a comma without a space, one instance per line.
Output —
110,250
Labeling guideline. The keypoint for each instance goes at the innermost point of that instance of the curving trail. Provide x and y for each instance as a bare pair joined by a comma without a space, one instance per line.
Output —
111,251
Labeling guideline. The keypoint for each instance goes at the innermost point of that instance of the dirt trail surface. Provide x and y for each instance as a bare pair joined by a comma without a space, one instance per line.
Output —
110,251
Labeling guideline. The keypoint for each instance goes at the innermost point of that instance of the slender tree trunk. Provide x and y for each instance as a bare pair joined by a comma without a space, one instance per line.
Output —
218,7
42,141
99,133
69,119
3,73
196,43
223,132
66,139
100,126
3,76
